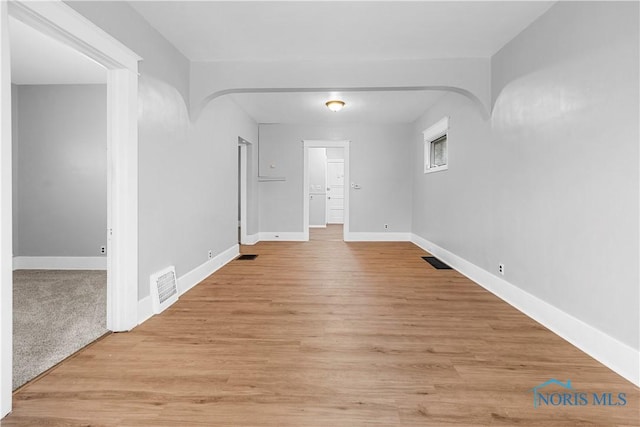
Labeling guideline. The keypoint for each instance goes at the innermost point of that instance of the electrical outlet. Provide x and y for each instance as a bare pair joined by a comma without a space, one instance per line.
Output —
386,226
103,250
501,269
210,254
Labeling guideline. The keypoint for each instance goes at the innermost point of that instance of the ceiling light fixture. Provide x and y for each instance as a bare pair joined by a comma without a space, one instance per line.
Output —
334,105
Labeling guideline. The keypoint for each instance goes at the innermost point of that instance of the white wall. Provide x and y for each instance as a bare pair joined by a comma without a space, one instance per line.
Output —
549,184
187,171
380,164
61,170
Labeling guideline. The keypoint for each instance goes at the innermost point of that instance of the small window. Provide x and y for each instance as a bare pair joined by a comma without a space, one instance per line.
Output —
435,147
438,155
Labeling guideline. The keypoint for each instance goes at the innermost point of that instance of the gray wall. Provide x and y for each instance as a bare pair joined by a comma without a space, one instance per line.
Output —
209,193
549,184
380,162
61,185
187,171
188,181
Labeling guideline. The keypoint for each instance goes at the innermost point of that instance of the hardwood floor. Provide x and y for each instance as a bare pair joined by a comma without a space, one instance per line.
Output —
333,232
327,333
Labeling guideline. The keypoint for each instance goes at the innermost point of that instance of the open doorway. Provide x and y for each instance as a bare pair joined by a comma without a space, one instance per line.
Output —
326,193
326,190
244,175
63,24
318,190
59,195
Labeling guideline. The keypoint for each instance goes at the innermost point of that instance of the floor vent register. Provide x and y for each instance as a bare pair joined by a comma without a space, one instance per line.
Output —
436,263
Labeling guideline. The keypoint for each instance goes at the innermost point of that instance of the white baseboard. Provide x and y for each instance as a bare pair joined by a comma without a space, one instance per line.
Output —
287,236
377,237
618,356
351,237
318,226
145,309
251,239
59,263
198,274
190,279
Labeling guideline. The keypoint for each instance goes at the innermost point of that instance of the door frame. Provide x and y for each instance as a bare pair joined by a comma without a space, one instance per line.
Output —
244,145
314,143
61,22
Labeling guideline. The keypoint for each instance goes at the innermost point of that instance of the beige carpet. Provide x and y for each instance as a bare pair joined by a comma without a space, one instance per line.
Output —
55,313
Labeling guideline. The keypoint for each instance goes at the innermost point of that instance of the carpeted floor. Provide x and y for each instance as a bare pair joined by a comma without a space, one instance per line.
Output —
55,313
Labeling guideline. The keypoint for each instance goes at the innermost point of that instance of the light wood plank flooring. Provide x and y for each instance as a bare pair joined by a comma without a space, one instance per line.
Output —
326,333
333,232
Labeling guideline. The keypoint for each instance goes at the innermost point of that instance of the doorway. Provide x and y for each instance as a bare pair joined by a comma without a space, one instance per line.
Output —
59,216
244,168
334,194
62,23
59,196
318,187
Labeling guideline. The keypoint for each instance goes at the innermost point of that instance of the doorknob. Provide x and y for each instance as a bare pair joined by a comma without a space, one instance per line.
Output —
329,197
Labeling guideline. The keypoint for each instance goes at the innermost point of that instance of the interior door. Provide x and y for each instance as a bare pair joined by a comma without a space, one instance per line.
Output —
335,191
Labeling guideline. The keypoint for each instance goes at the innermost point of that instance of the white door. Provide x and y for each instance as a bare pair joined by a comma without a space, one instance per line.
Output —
335,191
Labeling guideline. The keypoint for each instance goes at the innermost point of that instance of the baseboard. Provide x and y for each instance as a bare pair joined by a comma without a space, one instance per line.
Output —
318,226
618,356
377,237
287,236
198,274
59,263
190,279
273,236
145,309
251,239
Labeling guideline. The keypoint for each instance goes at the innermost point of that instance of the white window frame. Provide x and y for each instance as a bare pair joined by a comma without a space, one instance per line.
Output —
430,135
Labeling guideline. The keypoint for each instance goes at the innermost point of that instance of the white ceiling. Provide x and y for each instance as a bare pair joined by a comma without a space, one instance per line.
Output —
275,30
38,59
338,30
285,30
360,107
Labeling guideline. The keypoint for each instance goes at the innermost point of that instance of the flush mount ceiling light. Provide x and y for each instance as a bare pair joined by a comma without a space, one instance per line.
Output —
334,105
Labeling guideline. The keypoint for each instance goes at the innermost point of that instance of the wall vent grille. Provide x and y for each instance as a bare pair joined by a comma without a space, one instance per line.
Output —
164,289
